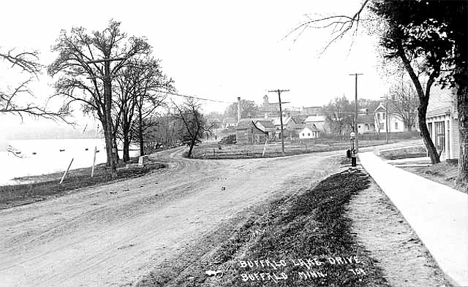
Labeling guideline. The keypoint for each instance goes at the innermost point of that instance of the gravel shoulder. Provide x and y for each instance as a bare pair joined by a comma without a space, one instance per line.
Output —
384,232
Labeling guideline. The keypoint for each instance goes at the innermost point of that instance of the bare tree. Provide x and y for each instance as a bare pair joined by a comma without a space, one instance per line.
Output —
20,100
88,63
404,104
194,124
339,114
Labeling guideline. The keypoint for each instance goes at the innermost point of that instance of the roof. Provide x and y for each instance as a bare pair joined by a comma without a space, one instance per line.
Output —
244,124
312,128
315,119
440,101
266,123
299,119
276,121
365,119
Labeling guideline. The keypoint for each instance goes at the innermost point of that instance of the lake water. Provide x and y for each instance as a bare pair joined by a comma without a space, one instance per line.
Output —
47,156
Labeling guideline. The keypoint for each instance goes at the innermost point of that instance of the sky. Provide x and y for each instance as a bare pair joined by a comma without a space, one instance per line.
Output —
217,50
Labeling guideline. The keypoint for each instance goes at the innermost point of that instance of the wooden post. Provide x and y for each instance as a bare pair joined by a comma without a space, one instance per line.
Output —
264,147
94,161
65,173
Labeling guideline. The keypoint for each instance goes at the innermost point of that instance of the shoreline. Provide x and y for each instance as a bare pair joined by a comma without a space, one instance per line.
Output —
30,189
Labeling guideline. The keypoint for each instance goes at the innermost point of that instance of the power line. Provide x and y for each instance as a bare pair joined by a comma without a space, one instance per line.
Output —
195,97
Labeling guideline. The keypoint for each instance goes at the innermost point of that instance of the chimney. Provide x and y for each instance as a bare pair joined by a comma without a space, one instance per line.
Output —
238,109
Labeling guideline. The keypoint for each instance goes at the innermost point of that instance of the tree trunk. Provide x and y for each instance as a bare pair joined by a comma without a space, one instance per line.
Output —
423,103
192,144
140,128
126,147
108,133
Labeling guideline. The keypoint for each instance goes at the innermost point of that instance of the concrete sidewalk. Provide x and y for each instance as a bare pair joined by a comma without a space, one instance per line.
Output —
437,213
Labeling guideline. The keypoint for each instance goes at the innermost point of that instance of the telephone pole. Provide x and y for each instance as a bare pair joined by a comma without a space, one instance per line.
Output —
281,116
356,110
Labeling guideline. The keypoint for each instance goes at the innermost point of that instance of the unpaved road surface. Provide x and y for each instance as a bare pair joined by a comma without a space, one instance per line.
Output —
112,235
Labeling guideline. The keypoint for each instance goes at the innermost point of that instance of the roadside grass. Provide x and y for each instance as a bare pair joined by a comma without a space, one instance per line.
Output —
445,172
237,151
36,188
410,152
302,240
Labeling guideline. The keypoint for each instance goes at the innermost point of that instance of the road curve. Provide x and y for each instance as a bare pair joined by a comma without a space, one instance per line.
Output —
112,235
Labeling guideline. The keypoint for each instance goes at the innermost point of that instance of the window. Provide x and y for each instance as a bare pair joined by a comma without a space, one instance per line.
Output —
308,134
429,127
378,117
396,125
440,135
303,134
383,116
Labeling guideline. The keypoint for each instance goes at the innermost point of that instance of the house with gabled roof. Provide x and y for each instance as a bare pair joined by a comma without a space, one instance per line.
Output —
365,124
266,126
394,121
442,122
247,132
318,121
309,132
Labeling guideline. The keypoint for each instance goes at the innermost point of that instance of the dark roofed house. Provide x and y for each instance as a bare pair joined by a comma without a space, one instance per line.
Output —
365,124
247,132
266,126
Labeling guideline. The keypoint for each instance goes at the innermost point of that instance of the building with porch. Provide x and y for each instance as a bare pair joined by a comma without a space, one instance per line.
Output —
442,122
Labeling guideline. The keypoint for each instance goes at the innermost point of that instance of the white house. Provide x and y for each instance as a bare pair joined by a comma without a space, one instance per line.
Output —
395,123
309,132
442,122
318,121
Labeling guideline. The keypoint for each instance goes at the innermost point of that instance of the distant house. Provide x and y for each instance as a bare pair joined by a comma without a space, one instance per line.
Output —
395,123
318,121
289,126
365,124
229,122
247,132
266,126
442,122
309,132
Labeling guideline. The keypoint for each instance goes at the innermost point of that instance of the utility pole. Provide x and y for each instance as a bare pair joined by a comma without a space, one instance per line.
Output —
281,116
356,110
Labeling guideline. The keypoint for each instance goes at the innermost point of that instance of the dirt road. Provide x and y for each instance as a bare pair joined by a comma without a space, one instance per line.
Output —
114,234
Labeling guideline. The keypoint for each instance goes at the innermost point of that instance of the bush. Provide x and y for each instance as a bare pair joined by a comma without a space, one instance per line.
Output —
230,139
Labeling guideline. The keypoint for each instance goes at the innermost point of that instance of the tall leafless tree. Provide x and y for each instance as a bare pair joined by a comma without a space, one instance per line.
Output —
194,124
87,64
141,89
404,104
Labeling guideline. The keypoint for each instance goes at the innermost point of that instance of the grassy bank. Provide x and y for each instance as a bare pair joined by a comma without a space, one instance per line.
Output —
36,188
303,240
235,151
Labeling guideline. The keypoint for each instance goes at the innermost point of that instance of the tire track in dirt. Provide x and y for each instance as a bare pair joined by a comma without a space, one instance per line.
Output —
113,234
